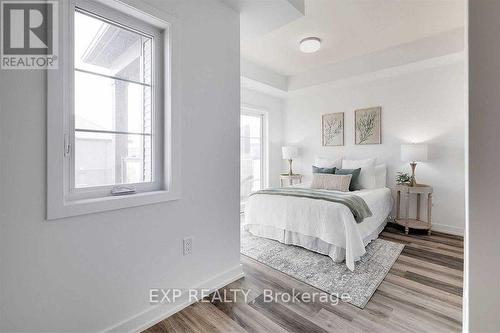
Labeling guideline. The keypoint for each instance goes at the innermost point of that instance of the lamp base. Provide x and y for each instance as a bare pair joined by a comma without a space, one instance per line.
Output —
413,181
290,172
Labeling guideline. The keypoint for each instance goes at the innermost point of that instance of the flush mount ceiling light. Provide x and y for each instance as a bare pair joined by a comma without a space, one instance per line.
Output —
310,44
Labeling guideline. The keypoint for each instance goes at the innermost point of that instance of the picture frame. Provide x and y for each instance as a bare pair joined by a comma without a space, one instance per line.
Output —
368,126
332,125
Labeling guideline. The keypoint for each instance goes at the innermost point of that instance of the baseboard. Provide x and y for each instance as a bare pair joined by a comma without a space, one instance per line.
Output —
157,313
448,229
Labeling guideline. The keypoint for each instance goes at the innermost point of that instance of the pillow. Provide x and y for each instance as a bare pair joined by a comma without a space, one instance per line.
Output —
355,177
367,175
323,170
325,181
380,176
326,163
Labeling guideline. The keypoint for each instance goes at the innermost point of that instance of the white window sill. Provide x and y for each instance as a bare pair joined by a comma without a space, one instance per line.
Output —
89,206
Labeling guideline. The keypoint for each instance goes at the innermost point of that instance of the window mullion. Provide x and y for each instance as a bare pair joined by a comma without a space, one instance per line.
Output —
111,132
112,77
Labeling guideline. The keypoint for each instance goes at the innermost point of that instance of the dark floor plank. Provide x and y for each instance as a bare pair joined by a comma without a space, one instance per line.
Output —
428,281
431,291
435,237
435,258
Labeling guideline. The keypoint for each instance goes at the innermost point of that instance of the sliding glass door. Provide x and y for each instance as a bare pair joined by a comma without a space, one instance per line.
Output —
253,164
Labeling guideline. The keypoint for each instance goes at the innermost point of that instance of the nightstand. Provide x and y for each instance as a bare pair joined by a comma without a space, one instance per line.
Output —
289,180
414,223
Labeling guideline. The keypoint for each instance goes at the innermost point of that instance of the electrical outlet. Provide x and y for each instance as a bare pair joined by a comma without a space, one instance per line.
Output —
187,246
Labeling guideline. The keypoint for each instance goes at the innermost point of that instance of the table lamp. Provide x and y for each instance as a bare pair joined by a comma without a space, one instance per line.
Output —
413,153
289,153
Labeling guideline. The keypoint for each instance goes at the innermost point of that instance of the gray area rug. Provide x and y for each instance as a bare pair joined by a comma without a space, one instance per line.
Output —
321,272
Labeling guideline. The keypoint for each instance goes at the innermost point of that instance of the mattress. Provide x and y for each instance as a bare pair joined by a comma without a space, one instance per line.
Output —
325,227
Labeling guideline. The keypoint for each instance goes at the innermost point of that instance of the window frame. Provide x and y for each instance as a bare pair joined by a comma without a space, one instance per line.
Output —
264,142
63,198
116,18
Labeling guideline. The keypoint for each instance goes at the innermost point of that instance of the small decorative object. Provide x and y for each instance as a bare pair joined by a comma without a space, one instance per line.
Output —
413,153
289,153
333,129
403,178
368,126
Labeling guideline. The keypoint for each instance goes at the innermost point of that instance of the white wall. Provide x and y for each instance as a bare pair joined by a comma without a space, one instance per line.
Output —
273,107
425,105
90,272
483,264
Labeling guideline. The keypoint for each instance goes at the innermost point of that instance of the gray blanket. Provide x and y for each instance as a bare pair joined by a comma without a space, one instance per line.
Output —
356,204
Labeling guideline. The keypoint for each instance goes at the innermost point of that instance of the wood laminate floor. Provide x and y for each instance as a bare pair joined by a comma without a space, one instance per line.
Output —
421,293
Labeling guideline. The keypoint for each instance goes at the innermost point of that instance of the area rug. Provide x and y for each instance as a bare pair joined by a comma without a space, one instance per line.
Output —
321,272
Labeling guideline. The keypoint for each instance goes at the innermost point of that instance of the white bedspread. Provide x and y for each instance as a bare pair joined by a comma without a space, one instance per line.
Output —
315,223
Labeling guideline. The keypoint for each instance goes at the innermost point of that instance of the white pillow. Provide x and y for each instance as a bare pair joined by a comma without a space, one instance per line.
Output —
380,176
326,163
367,174
327,181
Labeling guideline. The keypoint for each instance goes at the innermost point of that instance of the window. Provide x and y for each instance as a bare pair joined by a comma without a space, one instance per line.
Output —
253,151
113,105
113,95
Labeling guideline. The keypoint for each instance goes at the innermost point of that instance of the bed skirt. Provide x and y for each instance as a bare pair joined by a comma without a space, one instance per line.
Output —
334,251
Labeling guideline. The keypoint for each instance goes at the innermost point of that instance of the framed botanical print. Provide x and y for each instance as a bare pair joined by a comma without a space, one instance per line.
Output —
368,126
333,129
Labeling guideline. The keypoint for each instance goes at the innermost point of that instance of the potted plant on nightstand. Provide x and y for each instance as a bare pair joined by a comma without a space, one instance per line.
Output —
403,178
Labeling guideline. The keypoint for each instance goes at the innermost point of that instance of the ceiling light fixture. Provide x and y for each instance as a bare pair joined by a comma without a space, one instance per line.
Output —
310,44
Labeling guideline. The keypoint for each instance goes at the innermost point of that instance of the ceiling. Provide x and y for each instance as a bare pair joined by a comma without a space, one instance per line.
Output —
349,29
258,17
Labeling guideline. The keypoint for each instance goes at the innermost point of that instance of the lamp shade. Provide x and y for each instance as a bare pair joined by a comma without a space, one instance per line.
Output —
289,152
414,152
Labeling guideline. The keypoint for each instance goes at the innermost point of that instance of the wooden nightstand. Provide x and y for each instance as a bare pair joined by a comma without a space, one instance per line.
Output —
290,179
415,223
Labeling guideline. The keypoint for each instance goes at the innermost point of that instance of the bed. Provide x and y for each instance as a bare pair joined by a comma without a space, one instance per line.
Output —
322,226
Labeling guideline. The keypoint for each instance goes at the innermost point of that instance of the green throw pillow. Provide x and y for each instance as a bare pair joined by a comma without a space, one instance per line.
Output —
323,170
355,185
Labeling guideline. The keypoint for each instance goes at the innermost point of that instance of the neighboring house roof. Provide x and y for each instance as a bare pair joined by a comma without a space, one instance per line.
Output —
115,49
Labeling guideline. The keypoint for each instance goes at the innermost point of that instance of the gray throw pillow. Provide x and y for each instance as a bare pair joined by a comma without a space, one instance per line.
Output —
323,170
326,181
355,185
